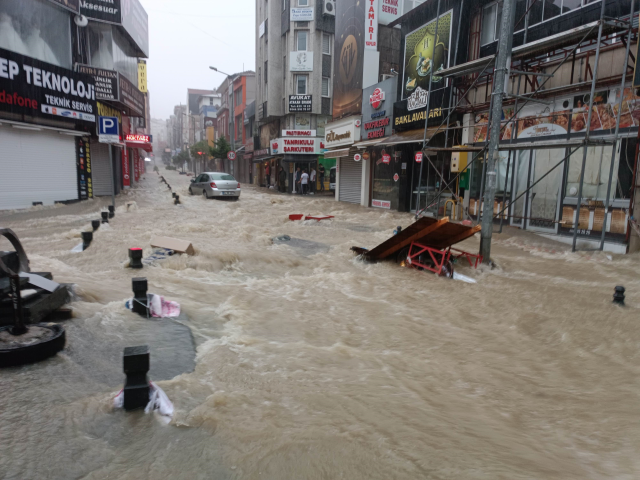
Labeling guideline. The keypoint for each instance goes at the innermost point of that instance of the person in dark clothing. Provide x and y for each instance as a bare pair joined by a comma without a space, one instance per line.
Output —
321,177
282,180
267,172
297,181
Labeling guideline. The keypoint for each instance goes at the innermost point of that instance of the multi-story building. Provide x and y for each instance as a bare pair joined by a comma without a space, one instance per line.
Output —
294,64
51,97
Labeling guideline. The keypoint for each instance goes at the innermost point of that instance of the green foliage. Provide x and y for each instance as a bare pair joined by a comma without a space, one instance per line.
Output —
180,158
203,147
221,148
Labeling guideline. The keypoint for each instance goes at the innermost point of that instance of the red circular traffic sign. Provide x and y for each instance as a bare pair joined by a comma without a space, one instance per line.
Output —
231,155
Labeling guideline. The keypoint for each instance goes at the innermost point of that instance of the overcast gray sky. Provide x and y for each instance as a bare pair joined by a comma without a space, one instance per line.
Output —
187,36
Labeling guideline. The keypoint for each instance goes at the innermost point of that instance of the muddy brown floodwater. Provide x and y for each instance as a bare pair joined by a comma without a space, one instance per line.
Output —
313,365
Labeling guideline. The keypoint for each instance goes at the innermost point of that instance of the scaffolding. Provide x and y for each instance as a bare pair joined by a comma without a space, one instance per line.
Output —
530,63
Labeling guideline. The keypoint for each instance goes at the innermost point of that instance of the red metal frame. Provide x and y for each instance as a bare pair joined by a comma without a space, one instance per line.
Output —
439,257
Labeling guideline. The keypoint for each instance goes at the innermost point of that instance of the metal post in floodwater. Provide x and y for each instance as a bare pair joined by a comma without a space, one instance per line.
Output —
139,287
95,224
135,363
112,211
87,238
135,258
105,217
618,296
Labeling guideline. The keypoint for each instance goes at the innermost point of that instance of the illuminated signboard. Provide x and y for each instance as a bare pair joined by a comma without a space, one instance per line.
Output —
138,138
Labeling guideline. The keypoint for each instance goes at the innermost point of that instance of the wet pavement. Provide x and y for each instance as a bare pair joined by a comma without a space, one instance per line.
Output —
311,364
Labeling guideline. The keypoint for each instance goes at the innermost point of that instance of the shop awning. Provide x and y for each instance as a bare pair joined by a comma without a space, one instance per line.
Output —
262,159
300,158
412,136
343,152
147,147
368,143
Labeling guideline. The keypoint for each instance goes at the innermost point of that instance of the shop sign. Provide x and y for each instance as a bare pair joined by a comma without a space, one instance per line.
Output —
417,99
302,14
83,164
396,177
386,158
298,145
379,114
344,132
371,25
300,61
425,53
126,174
142,75
73,5
131,97
135,21
378,125
300,103
389,11
107,111
411,120
208,122
261,153
298,133
102,10
136,165
418,157
357,157
365,155
376,98
108,131
381,203
106,82
138,137
31,87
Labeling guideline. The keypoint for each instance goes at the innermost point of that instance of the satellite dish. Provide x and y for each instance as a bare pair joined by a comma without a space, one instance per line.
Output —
81,20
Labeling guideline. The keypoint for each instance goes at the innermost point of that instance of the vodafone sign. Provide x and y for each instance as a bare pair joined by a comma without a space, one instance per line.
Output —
376,98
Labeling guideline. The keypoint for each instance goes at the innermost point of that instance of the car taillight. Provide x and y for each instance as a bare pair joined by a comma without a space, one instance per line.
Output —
238,185
213,185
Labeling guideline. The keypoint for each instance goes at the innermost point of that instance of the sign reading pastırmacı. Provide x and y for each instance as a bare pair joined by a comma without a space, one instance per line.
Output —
300,61
302,14
102,10
106,82
131,97
298,133
300,103
31,87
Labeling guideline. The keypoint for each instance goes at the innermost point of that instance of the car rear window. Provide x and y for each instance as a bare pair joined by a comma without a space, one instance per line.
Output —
222,176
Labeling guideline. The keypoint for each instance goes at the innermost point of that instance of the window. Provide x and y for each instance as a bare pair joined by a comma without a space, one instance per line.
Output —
303,3
302,24
542,10
551,9
222,176
301,84
211,101
325,86
301,41
284,5
491,21
326,44
238,96
265,71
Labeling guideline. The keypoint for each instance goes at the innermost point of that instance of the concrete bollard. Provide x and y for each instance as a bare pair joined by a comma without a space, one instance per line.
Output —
95,224
87,237
135,364
112,211
177,200
618,296
135,257
105,217
173,194
139,287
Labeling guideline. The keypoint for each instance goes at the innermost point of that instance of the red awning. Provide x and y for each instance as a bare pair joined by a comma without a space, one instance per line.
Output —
147,147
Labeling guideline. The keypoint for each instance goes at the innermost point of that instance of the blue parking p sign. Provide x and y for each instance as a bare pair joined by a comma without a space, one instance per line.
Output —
108,130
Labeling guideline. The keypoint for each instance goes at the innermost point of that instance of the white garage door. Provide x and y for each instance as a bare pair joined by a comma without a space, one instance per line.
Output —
36,166
350,179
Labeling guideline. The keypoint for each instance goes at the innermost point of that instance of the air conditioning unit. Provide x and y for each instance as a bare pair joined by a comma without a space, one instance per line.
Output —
329,7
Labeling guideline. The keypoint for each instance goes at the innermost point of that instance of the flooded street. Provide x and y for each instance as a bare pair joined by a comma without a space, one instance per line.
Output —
311,364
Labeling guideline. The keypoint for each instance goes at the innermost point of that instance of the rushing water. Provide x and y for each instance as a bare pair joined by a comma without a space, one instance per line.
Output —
314,365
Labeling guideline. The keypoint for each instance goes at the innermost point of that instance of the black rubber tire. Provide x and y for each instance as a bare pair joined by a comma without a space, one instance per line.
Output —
35,352
204,194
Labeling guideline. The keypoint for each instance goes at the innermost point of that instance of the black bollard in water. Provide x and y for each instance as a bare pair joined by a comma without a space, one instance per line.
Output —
169,186
135,363
112,211
135,257
105,217
618,296
177,200
95,224
139,286
87,237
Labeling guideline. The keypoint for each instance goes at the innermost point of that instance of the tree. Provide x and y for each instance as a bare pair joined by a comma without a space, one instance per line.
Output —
166,158
198,150
221,148
181,158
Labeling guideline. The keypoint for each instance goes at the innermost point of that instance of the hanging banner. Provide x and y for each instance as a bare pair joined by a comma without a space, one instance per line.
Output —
126,174
371,25
142,75
426,52
73,5
136,165
83,164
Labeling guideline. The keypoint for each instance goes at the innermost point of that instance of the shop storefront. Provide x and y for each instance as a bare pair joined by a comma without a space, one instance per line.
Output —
352,184
298,150
550,206
261,159
46,115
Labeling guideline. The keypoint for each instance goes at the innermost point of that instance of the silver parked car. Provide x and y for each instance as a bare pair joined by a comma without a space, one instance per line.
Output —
215,184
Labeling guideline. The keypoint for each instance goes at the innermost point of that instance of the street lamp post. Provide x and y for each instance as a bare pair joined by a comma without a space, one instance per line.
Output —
233,118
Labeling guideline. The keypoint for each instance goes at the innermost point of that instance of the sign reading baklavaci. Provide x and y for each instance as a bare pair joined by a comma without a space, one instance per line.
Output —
31,87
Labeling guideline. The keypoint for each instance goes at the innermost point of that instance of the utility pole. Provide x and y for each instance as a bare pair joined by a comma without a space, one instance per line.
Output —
500,82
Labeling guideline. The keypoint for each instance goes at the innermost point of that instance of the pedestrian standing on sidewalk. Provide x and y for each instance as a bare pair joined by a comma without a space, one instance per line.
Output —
312,181
282,181
296,181
304,180
267,172
321,176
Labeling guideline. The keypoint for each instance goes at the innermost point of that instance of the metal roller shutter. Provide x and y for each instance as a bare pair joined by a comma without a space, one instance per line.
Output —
100,169
37,166
350,178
